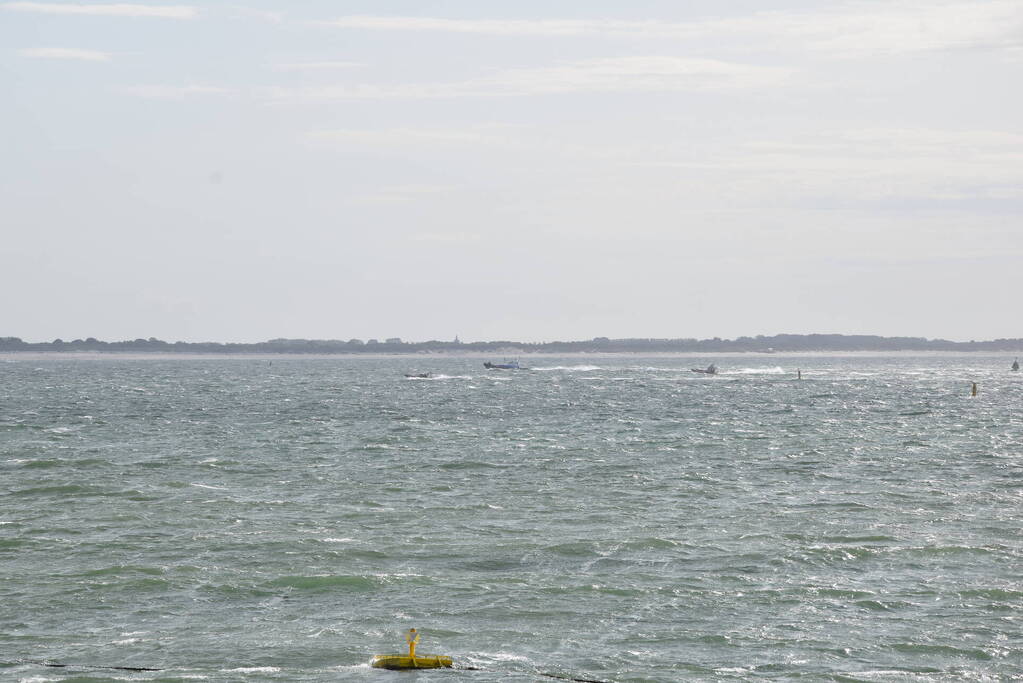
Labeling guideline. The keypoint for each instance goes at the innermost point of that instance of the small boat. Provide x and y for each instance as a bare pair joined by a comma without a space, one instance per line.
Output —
509,365
1015,365
421,375
709,370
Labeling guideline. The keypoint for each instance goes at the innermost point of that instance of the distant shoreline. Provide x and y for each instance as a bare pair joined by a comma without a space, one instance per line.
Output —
8,356
395,346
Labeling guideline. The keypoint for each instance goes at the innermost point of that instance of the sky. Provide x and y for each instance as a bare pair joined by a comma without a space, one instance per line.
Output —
525,170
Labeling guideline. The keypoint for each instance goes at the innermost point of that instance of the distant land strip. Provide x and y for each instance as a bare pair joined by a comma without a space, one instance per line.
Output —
394,345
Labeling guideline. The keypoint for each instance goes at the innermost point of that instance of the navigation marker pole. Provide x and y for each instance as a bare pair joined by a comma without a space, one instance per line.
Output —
411,661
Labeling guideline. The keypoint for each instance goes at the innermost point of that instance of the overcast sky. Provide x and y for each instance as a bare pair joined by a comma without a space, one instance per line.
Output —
510,170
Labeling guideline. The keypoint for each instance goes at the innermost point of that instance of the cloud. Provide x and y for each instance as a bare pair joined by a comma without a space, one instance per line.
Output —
447,237
173,91
110,10
505,27
650,74
271,16
900,143
400,194
866,165
316,66
65,53
619,74
401,138
850,29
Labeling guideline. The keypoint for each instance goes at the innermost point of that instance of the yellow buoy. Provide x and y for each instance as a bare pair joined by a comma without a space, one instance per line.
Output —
411,660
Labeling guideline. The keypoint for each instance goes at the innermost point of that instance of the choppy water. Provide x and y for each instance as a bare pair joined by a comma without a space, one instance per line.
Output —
619,519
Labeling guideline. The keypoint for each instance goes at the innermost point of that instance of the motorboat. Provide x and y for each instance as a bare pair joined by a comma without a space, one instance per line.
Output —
709,370
507,365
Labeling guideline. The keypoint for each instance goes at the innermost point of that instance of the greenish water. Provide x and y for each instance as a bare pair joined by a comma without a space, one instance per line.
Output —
614,518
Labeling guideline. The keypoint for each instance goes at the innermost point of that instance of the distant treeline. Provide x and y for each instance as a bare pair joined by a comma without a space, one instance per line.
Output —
758,344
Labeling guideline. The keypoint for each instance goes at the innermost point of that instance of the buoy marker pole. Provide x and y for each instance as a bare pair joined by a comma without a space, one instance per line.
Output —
412,637
973,391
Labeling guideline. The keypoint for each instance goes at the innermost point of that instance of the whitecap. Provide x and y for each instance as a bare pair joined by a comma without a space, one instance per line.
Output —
756,371
504,657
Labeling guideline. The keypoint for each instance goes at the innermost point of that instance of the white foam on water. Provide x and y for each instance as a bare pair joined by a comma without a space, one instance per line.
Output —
883,673
758,371
507,657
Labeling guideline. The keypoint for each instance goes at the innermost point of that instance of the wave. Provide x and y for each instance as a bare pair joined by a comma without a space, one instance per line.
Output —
570,368
470,465
574,549
124,570
325,582
1002,594
757,371
947,650
882,606
59,490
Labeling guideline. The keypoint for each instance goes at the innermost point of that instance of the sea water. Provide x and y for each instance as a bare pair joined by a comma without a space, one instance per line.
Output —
607,518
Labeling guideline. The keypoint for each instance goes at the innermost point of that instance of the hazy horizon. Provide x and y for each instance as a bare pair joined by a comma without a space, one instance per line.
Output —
512,340
223,172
